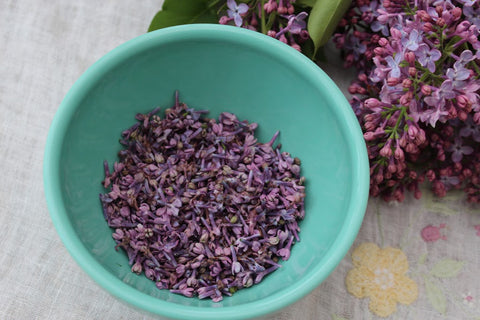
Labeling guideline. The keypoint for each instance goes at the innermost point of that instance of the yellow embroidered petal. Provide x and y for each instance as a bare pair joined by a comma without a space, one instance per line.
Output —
366,255
357,281
382,305
406,290
380,275
395,259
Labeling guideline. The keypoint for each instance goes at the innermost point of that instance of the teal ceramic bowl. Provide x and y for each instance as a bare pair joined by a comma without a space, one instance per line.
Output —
218,68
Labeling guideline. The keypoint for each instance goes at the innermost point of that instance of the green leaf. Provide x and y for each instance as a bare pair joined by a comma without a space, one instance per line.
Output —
422,259
335,317
176,12
436,297
324,18
447,268
306,3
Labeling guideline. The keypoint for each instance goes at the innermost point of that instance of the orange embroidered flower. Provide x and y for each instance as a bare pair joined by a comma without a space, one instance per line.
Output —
380,275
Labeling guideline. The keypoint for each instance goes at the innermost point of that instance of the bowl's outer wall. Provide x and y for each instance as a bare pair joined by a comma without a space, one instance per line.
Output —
219,69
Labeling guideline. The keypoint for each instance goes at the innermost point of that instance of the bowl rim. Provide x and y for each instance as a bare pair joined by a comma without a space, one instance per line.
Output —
264,44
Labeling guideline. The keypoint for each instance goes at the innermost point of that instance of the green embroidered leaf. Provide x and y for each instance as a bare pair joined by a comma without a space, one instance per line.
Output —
447,268
324,18
436,297
176,12
422,258
441,206
335,317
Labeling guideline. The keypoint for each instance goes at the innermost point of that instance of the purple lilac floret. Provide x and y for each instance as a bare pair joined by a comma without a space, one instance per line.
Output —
275,18
199,205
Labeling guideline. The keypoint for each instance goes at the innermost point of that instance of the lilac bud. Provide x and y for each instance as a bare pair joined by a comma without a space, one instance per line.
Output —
426,89
379,51
407,83
272,33
399,155
423,15
462,101
369,136
396,34
371,103
393,81
386,150
270,6
383,42
410,57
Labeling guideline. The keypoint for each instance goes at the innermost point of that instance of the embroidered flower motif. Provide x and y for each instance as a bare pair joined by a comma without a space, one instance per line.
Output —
380,275
433,233
477,227
468,299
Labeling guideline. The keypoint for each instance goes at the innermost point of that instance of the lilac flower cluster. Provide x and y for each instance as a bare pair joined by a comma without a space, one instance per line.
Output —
199,205
276,18
417,92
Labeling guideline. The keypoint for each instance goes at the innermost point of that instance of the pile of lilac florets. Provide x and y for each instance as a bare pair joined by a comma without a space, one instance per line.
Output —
417,92
201,207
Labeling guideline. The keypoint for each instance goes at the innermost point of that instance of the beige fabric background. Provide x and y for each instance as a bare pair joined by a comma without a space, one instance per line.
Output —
44,48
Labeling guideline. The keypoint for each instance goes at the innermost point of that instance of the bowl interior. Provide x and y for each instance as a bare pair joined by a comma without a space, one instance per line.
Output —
219,69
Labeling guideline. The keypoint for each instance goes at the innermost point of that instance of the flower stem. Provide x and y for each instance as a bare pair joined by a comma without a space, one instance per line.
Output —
403,112
264,27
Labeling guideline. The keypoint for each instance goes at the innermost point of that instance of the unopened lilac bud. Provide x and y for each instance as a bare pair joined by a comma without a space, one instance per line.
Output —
379,51
412,71
383,42
369,126
223,20
393,81
369,136
406,83
372,103
476,118
441,22
426,89
270,6
412,131
399,155
430,175
271,33
456,13
423,15
410,57
282,9
428,27
283,39
378,178
406,98
296,47
386,150
396,34
391,167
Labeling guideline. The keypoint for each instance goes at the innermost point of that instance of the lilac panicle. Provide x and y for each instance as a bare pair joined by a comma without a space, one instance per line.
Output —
417,92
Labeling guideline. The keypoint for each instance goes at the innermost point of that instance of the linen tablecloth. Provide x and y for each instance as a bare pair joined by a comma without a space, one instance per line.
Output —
427,250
